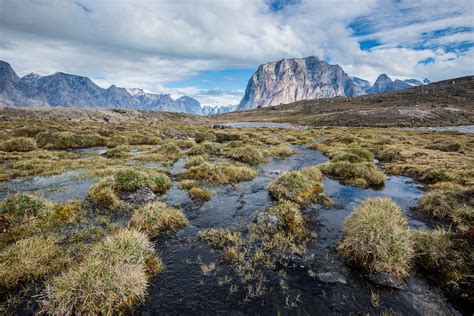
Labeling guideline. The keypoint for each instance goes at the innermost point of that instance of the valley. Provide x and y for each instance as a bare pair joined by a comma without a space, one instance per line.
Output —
247,218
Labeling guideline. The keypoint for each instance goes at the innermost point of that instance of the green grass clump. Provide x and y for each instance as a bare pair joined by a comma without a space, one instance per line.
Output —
389,155
221,173
129,180
112,278
281,150
357,174
206,148
433,247
120,152
27,259
194,161
220,238
453,204
104,196
290,214
222,137
301,186
198,193
68,140
157,218
20,144
20,208
247,154
376,237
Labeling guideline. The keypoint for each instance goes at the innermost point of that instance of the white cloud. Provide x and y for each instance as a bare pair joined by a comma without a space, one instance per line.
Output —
148,44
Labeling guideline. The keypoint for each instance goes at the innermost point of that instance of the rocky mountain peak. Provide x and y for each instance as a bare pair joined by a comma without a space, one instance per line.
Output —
7,72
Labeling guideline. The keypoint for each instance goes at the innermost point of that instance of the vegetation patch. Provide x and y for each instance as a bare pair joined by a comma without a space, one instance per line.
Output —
28,259
246,154
358,174
301,186
222,172
281,150
112,278
157,218
452,203
376,238
21,144
68,140
121,152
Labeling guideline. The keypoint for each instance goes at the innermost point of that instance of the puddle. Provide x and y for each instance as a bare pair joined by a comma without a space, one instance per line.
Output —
259,124
462,129
60,188
92,150
321,284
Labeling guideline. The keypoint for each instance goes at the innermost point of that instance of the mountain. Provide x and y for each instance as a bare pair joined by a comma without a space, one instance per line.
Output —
290,80
67,90
213,110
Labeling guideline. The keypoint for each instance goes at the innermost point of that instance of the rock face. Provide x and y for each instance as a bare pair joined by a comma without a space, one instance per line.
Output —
290,80
61,89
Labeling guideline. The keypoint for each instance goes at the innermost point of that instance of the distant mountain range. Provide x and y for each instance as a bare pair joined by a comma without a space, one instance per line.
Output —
62,89
291,80
274,83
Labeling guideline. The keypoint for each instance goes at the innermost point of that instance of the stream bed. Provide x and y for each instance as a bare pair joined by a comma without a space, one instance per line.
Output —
317,284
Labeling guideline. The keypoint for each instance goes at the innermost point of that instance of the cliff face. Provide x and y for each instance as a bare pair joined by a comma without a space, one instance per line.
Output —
290,80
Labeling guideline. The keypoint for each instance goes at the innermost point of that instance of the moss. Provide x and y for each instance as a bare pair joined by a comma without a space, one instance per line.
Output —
376,237
357,174
157,218
28,259
18,144
301,186
222,173
112,278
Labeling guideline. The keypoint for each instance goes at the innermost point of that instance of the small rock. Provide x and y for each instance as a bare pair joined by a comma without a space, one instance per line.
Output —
140,197
385,279
331,277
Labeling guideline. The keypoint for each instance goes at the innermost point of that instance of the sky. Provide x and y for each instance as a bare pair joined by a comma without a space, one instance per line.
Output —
208,49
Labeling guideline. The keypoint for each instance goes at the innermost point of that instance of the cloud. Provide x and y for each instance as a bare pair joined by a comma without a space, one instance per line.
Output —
151,44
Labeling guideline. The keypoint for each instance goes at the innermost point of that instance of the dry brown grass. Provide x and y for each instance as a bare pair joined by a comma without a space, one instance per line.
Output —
376,237
222,172
112,278
157,218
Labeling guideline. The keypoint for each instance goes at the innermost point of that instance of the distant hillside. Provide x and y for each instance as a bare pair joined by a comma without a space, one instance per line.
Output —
67,90
449,102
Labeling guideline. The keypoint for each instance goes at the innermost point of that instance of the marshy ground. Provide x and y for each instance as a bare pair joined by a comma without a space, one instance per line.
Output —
159,217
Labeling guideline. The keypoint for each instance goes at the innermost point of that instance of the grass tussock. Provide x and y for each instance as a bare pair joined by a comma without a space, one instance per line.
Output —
376,238
281,150
198,193
69,140
104,196
450,202
221,238
301,186
27,260
128,180
157,218
20,144
222,172
112,278
247,154
357,174
120,152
